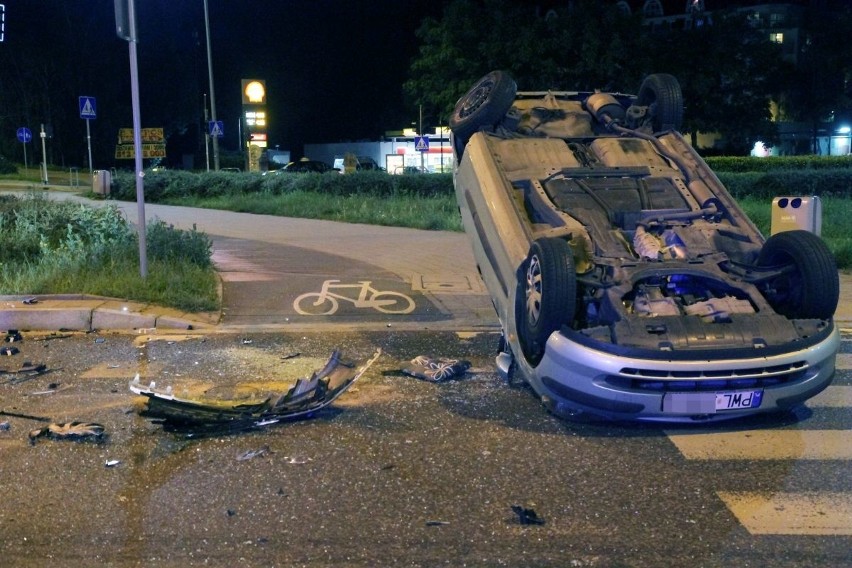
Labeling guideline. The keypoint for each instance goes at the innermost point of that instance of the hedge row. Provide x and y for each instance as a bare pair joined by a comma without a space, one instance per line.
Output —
753,164
170,185
174,185
823,182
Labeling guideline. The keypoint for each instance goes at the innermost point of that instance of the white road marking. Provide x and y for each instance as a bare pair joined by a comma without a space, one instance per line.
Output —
766,445
792,513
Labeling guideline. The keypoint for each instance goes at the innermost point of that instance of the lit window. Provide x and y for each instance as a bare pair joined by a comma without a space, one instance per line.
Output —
776,37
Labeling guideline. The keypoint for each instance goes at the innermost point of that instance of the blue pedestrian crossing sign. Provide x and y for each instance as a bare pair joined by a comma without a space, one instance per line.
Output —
217,129
88,108
421,143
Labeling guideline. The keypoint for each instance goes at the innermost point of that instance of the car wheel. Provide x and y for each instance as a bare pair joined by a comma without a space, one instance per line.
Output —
484,104
547,295
809,286
661,92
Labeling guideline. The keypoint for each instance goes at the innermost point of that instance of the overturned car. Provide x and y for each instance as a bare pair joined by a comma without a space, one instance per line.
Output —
628,282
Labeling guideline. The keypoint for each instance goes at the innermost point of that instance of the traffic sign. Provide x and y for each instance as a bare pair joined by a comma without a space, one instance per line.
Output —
24,134
88,108
216,128
421,143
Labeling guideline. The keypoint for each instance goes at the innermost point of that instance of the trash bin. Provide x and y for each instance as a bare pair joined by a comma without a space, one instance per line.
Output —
791,213
101,182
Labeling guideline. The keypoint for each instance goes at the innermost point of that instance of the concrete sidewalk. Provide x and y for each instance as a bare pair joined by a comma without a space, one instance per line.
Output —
268,263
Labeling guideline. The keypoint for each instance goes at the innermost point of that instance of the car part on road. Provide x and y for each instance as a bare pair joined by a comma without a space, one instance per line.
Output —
527,516
627,281
25,372
205,416
77,431
436,370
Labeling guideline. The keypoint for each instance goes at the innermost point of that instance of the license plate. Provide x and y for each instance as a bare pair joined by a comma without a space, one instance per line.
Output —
711,402
738,399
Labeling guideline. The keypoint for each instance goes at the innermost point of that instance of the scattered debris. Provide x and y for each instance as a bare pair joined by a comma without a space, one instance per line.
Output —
201,416
436,370
51,388
13,335
8,351
527,516
436,523
52,336
290,356
100,340
27,416
30,301
26,372
5,425
112,463
251,454
70,431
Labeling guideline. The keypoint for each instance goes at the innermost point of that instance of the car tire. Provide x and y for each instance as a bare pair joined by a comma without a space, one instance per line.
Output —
812,288
484,105
546,294
661,92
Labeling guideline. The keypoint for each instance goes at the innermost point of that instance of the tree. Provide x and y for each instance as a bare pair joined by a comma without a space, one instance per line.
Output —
729,72
820,88
581,45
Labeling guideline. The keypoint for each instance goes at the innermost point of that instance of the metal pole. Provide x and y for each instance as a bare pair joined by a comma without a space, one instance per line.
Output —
137,143
212,91
422,153
206,135
26,170
89,141
43,156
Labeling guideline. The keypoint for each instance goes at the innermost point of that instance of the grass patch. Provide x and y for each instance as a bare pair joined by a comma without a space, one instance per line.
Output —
436,213
50,247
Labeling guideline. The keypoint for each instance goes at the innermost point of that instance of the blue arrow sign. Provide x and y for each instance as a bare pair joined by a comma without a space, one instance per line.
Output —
421,143
88,108
24,134
217,128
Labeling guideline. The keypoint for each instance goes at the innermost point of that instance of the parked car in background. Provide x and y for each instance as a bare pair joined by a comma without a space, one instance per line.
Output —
305,165
628,282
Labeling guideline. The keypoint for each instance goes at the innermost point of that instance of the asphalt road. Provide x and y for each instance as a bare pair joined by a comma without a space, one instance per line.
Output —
399,472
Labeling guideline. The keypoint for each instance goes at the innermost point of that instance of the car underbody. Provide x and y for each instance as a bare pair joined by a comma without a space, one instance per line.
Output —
601,234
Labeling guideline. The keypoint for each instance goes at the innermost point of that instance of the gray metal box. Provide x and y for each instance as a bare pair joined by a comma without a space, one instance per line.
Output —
791,213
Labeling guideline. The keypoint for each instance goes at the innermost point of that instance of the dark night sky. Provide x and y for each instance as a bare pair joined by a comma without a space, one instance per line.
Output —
334,68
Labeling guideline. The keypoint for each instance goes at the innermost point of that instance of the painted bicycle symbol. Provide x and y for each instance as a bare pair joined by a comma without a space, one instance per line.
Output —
325,302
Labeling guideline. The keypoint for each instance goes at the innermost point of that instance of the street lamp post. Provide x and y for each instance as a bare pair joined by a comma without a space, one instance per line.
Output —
212,92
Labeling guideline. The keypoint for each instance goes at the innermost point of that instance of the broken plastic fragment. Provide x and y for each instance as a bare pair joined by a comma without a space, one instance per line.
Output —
69,431
250,454
196,416
436,370
527,516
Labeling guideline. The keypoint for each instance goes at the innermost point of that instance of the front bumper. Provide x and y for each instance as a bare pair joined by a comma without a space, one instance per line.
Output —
573,378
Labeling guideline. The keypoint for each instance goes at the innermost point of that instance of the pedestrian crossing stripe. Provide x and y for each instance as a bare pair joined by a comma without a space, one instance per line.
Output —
813,513
766,445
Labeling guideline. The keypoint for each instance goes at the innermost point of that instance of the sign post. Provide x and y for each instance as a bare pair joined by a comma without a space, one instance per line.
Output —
88,111
43,135
25,135
125,28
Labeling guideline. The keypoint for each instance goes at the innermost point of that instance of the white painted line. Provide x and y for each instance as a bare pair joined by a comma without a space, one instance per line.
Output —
792,513
766,445
832,397
844,362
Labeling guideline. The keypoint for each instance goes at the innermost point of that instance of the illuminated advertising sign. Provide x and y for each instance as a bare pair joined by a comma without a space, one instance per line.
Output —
254,92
